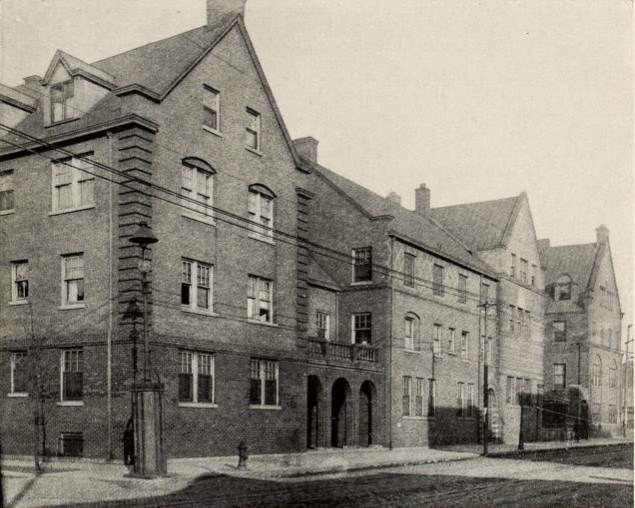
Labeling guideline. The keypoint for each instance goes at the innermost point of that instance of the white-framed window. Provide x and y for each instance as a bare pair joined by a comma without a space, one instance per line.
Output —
437,279
363,264
452,340
362,328
409,333
252,130
407,390
559,375
409,270
259,299
211,108
72,375
264,387
19,373
7,197
20,281
62,101
465,345
197,189
432,397
436,339
260,211
419,396
73,279
73,184
196,377
323,324
462,296
196,285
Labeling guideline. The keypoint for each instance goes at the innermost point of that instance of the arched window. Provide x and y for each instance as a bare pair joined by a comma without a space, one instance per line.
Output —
563,288
197,188
596,372
260,210
411,332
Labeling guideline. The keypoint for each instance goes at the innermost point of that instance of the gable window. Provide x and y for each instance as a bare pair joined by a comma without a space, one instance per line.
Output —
462,297
560,331
252,131
260,211
197,188
409,270
596,372
563,288
437,277
72,375
196,378
20,281
62,95
524,268
363,264
211,109
7,203
260,299
362,328
73,184
264,390
465,345
559,375
514,268
73,279
322,324
407,388
19,373
196,285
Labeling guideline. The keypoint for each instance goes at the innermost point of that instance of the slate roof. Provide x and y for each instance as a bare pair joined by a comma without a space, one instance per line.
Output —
484,225
577,261
423,230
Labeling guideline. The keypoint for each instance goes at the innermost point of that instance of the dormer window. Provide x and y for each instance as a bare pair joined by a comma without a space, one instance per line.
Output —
62,95
563,288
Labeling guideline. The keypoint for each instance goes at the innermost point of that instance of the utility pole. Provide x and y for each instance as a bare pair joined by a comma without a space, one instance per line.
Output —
625,380
485,305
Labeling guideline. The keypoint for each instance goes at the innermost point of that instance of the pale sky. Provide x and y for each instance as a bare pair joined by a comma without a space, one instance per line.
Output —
478,99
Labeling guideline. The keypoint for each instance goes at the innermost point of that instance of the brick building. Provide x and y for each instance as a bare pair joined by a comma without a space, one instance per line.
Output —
584,321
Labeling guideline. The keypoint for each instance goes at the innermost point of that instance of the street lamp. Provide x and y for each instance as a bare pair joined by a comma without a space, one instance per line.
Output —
147,396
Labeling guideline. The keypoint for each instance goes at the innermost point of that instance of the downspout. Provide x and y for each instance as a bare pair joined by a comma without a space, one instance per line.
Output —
110,303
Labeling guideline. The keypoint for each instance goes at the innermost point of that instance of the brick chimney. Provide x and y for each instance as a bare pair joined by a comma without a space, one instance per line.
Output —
422,199
307,148
218,8
602,234
393,197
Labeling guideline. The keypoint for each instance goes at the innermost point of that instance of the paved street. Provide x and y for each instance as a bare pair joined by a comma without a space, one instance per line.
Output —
601,476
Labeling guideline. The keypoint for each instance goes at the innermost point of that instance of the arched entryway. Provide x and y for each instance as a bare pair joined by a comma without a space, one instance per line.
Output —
314,401
340,413
494,418
367,397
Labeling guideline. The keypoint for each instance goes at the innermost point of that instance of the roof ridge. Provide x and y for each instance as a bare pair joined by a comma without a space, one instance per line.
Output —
478,202
590,244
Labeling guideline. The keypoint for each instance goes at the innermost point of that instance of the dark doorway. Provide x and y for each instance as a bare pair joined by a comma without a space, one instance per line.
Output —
366,400
340,413
314,401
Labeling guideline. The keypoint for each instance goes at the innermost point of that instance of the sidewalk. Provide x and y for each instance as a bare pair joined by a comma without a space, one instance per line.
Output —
84,481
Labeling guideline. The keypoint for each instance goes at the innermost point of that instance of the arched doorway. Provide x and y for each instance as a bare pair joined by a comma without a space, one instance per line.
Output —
314,401
340,413
494,418
366,400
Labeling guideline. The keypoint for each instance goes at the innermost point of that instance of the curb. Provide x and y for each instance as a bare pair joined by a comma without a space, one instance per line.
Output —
559,449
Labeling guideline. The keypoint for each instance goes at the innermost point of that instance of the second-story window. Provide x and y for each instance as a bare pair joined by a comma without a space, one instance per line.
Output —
73,279
436,340
7,203
62,101
196,285
560,331
559,375
409,270
211,109
362,328
252,130
462,297
465,345
260,211
363,264
260,299
20,281
197,188
322,325
73,184
437,279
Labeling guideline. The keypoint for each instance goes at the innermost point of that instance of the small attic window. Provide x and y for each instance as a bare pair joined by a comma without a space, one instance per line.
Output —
563,288
62,101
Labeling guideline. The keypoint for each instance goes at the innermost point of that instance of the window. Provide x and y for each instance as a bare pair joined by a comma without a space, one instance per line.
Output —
484,293
253,130
510,394
437,276
264,383
436,340
260,299
560,331
62,95
409,333
409,270
519,391
596,412
197,188
322,324
7,203
362,328
452,340
211,108
527,330
407,381
419,397
196,285
563,288
432,397
612,414
73,279
596,372
513,267
363,264
559,375
461,401
20,281
465,344
613,376
533,275
462,297
19,373
72,375
512,326
73,184
470,400
71,444
196,378
524,268
260,210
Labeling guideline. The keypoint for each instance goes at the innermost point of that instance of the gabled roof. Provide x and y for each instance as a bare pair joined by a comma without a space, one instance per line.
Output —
75,66
577,261
484,225
422,230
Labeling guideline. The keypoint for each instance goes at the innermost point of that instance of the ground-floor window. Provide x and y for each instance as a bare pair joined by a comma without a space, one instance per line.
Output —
71,444
264,389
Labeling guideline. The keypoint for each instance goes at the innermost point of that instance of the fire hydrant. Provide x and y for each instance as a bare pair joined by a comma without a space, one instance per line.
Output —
242,455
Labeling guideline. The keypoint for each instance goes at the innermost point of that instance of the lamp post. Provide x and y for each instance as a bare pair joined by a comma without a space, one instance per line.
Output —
147,396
